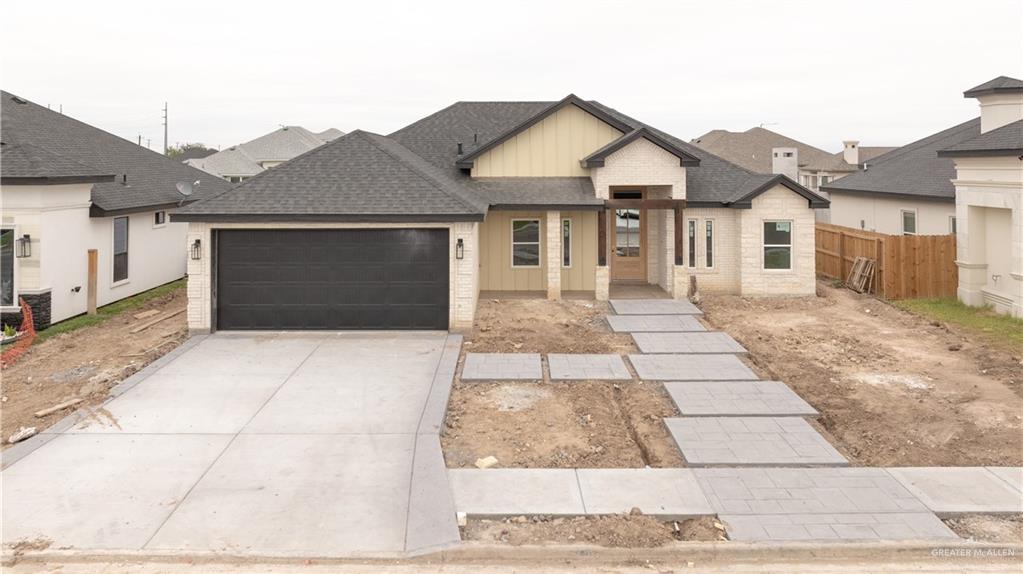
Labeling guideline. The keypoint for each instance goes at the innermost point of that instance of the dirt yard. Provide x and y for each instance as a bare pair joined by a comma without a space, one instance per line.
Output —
542,326
632,531
985,528
893,389
86,363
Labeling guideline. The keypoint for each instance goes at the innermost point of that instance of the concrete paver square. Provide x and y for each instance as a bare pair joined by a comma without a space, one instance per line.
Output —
513,491
737,398
705,342
668,493
588,367
109,491
168,404
691,368
751,441
654,323
654,307
502,367
959,490
847,527
305,495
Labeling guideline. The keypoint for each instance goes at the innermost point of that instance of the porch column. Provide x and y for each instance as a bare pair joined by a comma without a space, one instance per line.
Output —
554,255
602,283
679,272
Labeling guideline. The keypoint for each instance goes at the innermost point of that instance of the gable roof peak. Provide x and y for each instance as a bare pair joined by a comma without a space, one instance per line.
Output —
1001,84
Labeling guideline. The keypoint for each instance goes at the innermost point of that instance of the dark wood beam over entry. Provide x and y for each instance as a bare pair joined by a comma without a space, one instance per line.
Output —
645,203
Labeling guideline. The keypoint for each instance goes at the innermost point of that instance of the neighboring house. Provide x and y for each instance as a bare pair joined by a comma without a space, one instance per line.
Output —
194,153
989,199
67,187
404,231
763,151
240,162
908,191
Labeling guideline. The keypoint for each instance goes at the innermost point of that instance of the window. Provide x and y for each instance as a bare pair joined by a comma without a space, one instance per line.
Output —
120,249
7,267
825,179
777,245
709,243
566,242
691,251
159,218
952,224
525,242
627,233
908,222
786,154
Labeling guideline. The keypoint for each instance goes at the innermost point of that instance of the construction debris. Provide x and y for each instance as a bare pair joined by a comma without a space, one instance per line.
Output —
58,407
861,275
22,434
486,462
149,324
146,314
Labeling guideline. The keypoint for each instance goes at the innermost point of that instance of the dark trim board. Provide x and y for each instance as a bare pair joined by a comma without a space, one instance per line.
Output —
645,204
993,152
546,207
596,159
891,195
57,180
324,218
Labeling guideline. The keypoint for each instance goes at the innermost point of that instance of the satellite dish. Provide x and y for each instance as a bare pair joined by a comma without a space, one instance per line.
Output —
184,188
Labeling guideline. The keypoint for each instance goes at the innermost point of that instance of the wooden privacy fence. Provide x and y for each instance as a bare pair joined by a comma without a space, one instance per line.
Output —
907,266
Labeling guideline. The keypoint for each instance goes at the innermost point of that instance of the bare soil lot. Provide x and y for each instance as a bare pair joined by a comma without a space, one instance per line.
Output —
542,326
893,389
985,528
632,531
86,363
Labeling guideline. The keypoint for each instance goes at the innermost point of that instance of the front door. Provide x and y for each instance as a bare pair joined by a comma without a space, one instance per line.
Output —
628,257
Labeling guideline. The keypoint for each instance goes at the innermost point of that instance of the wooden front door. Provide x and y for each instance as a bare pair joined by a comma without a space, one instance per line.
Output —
628,240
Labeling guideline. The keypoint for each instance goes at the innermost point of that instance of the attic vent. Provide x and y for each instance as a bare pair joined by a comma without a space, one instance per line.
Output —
459,148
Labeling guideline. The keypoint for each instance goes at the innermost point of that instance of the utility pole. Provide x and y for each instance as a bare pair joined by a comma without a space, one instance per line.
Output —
140,140
165,128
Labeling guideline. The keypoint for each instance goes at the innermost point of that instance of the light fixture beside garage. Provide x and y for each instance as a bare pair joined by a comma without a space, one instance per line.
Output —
196,250
23,246
459,249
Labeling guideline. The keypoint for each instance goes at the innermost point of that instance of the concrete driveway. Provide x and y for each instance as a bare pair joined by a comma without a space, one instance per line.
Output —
269,444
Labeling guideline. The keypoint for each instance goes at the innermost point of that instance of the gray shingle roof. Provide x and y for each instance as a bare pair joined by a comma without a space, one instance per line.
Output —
913,170
551,192
596,159
26,163
1006,140
279,145
151,177
999,84
357,177
751,149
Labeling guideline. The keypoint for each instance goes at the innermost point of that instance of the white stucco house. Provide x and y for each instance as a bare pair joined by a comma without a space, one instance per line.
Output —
988,184
67,187
405,231
240,162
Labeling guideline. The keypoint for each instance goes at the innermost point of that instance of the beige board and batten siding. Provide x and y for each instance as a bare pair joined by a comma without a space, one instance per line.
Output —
550,148
497,273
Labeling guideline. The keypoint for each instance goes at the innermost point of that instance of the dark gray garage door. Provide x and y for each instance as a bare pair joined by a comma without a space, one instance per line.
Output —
332,279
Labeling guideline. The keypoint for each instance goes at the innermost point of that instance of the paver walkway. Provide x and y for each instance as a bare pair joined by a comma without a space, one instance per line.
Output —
588,367
737,398
693,343
264,444
502,367
654,323
691,368
751,441
952,491
654,307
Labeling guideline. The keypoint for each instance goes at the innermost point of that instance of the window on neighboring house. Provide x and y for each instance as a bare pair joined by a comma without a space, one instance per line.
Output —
525,242
777,245
813,182
787,154
120,249
160,218
7,267
709,243
952,224
692,243
908,222
825,179
566,242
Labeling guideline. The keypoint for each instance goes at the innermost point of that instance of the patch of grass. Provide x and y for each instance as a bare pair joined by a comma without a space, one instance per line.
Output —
995,326
108,311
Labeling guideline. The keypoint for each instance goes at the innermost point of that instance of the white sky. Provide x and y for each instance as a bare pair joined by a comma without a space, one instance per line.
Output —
885,73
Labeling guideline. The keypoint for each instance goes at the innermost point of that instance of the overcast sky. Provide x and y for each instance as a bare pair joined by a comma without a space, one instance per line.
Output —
884,73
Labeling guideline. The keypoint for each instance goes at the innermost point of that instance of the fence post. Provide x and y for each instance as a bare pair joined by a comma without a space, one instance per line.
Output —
90,289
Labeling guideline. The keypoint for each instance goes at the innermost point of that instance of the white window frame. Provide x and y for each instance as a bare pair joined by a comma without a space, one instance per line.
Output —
791,245
692,243
538,242
15,305
952,225
570,243
902,221
713,243
113,250
159,225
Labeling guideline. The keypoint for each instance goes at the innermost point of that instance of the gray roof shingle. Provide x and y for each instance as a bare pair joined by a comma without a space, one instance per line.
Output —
913,170
279,145
1006,140
145,179
752,150
26,163
999,84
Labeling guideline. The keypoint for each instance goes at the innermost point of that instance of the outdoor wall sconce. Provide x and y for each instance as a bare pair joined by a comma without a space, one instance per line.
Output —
459,249
196,250
23,246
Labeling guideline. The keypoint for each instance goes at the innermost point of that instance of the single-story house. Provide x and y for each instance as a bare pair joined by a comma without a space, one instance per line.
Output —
66,188
907,191
240,162
988,184
404,231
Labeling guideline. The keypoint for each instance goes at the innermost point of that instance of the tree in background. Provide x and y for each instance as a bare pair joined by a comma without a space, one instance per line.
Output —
185,151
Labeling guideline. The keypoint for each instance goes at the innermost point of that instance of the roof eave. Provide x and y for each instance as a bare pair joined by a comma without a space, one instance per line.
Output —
892,195
56,180
596,159
98,211
326,217
981,152
814,200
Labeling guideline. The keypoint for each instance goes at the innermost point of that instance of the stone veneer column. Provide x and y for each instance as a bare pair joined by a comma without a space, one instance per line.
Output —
554,255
